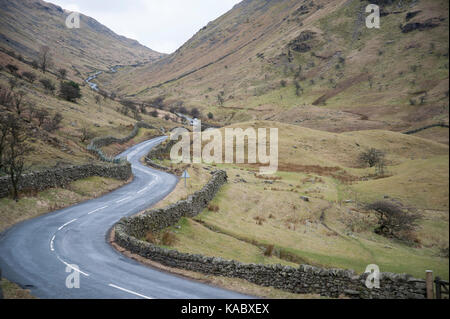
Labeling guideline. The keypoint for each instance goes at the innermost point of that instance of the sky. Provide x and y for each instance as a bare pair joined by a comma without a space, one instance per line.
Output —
161,25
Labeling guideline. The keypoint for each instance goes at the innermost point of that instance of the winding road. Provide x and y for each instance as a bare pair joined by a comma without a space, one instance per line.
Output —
37,253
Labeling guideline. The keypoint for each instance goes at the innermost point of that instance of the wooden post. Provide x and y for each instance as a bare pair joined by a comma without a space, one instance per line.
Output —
438,288
429,280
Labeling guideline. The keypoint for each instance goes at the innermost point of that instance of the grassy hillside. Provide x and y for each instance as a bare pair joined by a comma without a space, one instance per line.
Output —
333,228
309,63
93,113
27,25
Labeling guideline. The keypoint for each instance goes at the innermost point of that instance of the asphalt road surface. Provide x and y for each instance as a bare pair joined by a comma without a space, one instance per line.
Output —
38,254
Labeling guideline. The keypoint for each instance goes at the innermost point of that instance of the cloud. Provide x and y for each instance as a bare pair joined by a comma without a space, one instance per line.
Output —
160,25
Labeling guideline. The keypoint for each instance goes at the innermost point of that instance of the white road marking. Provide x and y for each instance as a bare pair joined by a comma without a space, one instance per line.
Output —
70,266
124,199
129,291
142,190
67,224
97,210
51,243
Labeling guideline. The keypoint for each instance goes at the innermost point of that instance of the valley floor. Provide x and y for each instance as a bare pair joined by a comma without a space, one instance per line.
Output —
313,214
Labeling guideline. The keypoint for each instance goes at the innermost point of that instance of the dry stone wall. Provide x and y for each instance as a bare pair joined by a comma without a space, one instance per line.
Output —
62,176
304,279
99,142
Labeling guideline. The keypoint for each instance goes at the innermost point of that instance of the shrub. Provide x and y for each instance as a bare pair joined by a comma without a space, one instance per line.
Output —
53,124
48,85
168,238
371,157
213,208
29,76
70,91
283,83
269,250
62,73
154,113
393,221
12,68
6,97
149,237
210,115
259,220
195,112
35,64
42,116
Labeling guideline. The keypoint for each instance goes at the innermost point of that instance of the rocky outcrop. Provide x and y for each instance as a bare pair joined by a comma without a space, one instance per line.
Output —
302,43
62,176
303,279
421,26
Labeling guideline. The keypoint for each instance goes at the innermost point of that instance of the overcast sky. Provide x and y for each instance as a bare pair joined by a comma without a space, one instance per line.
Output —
162,25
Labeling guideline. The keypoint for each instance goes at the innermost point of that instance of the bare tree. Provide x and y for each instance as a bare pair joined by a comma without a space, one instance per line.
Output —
45,57
85,135
12,69
30,76
54,123
371,157
3,133
48,85
62,73
393,221
41,116
15,152
6,97
195,112
17,103
220,99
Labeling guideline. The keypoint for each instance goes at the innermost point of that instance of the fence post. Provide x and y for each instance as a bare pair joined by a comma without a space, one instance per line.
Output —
429,280
438,287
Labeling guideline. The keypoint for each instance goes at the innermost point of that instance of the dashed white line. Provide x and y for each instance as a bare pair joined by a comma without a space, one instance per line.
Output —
67,224
129,291
97,210
124,199
70,266
51,243
143,190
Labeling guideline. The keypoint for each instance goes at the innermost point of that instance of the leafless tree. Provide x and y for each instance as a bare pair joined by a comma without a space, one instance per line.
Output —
17,103
62,73
85,135
15,152
54,123
45,57
220,99
41,116
13,83
6,97
30,76
3,133
371,157
393,221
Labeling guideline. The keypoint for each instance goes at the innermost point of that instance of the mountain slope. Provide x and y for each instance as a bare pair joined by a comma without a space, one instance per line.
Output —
27,25
311,63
